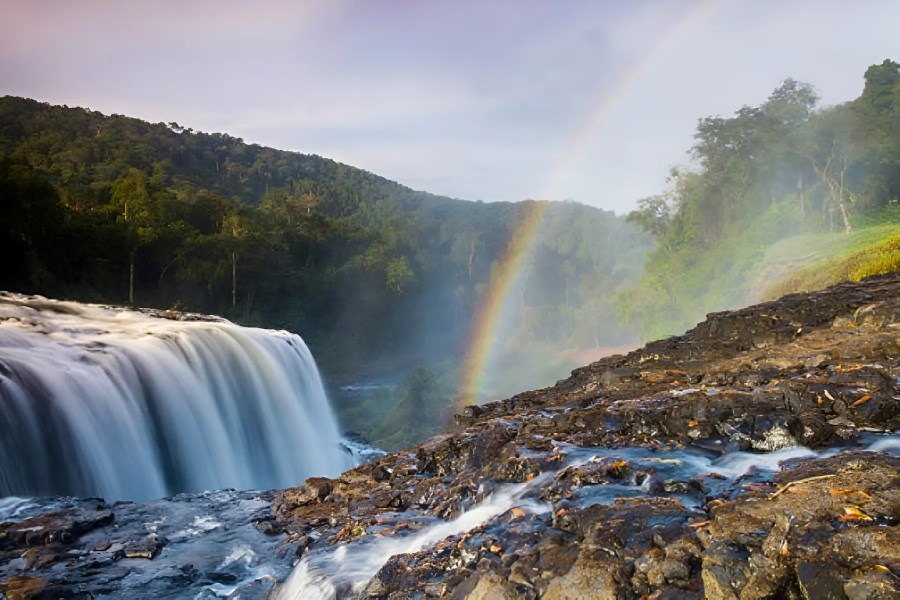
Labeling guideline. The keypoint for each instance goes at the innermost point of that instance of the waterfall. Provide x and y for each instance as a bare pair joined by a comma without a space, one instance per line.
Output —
128,405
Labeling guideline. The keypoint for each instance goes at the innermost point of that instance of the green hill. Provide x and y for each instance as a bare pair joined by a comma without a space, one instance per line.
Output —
376,276
780,197
380,278
816,261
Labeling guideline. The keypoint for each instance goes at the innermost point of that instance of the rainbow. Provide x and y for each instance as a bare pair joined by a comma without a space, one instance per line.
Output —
488,313
488,316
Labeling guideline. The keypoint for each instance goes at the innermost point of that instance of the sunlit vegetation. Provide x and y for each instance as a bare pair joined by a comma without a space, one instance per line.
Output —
784,196
849,265
772,189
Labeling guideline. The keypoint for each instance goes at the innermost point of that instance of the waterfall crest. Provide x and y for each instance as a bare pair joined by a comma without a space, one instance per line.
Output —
127,405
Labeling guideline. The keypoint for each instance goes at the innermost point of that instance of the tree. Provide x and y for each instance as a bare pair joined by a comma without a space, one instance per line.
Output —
31,220
233,232
882,88
876,131
788,110
729,152
131,196
344,256
399,274
830,152
790,105
653,215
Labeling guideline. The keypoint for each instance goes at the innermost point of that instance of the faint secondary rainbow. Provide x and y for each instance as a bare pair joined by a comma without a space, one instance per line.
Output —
488,314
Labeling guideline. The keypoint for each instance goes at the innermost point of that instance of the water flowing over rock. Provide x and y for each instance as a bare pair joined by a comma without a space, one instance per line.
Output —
756,456
204,546
138,405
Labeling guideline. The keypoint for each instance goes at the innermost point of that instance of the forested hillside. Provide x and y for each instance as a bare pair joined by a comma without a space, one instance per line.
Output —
373,274
767,173
380,278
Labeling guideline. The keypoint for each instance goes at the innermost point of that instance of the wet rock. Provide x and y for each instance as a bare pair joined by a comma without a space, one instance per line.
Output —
682,560
813,430
146,548
812,369
259,589
56,528
588,578
484,587
775,542
317,488
314,489
765,582
819,370
725,570
23,588
818,581
872,584
170,548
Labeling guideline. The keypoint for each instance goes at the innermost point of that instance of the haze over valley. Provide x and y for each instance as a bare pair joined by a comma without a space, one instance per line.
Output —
340,299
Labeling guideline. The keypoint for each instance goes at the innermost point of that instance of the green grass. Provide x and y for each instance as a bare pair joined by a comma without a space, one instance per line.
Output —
813,262
761,258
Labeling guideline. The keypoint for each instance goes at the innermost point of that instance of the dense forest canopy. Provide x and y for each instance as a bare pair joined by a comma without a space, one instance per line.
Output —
381,278
373,274
767,172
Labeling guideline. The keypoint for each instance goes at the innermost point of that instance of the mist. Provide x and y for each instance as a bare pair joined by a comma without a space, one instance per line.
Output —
779,197
783,196
419,292
503,297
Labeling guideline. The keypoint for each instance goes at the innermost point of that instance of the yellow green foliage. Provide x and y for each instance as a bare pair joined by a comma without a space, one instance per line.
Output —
877,259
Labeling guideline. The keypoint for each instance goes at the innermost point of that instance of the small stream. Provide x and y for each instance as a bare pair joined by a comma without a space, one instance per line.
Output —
686,474
348,568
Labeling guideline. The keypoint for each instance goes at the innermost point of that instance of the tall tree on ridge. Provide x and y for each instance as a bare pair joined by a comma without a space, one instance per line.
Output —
131,196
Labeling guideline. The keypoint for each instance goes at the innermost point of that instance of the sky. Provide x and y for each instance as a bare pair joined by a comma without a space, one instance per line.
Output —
588,100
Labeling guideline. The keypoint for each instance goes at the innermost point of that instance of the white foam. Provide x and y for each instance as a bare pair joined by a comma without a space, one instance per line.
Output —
352,565
113,402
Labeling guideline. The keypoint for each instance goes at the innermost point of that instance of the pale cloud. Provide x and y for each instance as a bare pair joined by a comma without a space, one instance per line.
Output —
30,24
363,103
591,100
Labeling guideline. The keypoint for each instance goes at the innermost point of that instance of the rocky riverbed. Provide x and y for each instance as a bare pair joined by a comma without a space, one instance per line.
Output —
756,456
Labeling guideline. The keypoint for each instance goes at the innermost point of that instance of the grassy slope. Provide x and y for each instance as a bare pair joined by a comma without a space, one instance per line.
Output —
815,261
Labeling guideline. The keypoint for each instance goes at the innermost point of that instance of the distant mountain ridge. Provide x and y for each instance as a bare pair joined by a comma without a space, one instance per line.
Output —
74,138
115,209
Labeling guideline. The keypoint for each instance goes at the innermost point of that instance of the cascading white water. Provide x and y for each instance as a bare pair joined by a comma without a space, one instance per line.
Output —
344,571
118,403
349,567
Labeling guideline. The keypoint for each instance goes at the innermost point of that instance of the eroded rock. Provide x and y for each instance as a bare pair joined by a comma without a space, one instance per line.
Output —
817,370
624,494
